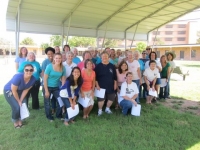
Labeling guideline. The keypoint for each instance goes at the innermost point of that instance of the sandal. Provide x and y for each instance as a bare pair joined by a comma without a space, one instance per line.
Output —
17,127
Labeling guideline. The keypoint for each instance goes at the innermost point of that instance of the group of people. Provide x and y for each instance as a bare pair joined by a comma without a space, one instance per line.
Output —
125,77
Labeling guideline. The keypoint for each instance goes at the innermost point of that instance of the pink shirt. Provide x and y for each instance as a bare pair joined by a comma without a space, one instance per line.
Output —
120,77
81,65
133,67
87,80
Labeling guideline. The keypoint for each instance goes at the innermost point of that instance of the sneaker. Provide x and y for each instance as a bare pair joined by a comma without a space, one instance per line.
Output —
100,113
108,111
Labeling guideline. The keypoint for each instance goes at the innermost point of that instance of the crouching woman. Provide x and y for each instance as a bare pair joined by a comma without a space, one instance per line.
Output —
15,92
128,94
69,91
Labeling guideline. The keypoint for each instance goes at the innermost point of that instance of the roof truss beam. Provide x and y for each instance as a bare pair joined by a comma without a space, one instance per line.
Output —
116,12
72,11
170,3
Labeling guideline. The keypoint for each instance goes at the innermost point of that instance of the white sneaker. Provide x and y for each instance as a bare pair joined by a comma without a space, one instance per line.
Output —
108,111
100,112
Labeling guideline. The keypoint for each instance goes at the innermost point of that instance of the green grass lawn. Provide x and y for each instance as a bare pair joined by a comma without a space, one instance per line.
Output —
158,127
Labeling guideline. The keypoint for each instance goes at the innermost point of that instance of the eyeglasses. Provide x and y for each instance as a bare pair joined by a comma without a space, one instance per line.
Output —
143,53
28,70
148,49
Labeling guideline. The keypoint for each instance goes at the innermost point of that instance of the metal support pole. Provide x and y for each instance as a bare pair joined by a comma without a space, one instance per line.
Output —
124,40
17,30
16,36
69,24
97,39
104,35
134,36
62,35
148,38
154,38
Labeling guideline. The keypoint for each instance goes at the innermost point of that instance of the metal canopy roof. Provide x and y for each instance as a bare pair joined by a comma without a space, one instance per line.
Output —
92,17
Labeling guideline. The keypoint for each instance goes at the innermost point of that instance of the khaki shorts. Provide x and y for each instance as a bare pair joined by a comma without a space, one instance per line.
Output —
88,95
110,97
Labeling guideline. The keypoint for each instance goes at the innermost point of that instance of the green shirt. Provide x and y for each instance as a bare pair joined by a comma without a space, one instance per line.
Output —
163,73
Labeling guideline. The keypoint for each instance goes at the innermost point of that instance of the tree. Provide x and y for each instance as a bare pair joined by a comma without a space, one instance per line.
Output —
44,46
110,43
56,40
141,46
81,41
198,35
27,41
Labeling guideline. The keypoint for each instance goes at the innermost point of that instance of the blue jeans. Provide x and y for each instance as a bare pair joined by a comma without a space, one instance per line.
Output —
168,87
14,104
137,82
165,90
55,92
125,105
67,105
53,103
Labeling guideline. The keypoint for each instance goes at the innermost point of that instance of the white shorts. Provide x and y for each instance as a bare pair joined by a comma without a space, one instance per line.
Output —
88,95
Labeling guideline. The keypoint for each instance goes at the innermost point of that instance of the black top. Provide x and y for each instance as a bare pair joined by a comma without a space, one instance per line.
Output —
105,75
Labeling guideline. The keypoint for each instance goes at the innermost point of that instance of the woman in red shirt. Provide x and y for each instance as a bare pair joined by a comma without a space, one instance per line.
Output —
87,89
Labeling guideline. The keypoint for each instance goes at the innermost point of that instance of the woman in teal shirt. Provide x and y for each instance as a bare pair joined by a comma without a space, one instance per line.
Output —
34,91
53,74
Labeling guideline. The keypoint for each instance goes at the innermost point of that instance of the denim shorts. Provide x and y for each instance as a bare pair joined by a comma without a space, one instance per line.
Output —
158,81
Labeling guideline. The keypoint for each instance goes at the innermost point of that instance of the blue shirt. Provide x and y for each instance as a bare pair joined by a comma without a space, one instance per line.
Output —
96,59
113,61
76,60
18,80
36,66
142,64
45,63
54,76
20,60
105,75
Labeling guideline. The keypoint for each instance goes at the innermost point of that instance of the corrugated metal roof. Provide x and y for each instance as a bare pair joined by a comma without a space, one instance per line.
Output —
90,16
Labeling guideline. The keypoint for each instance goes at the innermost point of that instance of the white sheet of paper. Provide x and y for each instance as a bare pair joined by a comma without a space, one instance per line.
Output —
60,102
163,83
51,96
24,113
99,93
135,111
152,93
83,101
73,112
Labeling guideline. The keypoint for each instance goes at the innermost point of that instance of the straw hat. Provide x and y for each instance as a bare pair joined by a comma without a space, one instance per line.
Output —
172,53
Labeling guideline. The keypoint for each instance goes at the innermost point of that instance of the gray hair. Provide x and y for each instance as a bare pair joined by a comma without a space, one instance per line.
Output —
29,53
69,53
75,48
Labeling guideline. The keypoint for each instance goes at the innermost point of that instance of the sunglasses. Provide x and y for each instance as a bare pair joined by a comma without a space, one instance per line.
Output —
28,70
143,53
148,49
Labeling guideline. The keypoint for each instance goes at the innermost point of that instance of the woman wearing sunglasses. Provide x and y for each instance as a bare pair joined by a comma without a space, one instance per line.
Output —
15,92
34,91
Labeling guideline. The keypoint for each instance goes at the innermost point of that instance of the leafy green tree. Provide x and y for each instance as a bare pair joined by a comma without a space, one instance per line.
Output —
140,46
110,43
43,46
56,40
81,41
198,35
27,41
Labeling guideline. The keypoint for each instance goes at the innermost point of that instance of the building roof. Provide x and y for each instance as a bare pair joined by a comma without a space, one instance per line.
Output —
92,17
